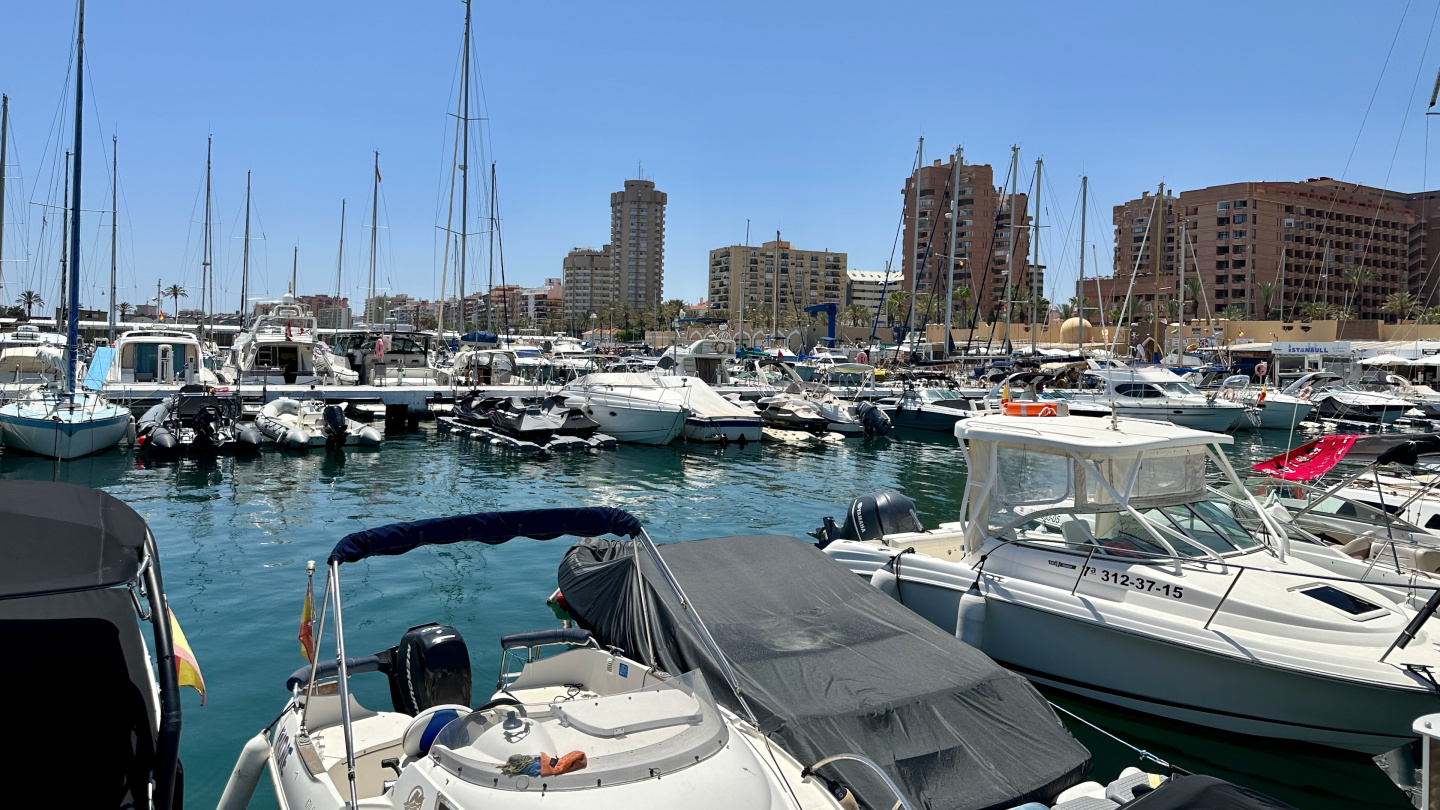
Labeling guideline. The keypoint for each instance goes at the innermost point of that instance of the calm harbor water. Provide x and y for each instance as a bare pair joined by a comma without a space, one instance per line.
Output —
235,535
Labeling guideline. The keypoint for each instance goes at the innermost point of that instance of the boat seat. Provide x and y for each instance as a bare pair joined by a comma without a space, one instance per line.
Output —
1076,533
427,724
1427,560
1359,548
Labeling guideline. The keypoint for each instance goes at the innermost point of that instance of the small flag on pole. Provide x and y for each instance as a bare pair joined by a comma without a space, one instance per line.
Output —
307,616
187,669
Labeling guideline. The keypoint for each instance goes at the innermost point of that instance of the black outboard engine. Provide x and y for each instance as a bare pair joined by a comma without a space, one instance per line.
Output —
336,428
871,517
429,667
207,425
876,422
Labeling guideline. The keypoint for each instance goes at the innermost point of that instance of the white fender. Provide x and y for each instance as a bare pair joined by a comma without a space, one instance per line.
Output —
970,623
368,435
884,579
246,775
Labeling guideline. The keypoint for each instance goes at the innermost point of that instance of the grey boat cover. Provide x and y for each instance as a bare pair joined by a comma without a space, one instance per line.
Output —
831,665
62,537
1199,792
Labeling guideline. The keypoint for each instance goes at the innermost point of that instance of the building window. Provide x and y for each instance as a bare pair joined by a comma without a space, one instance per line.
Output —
1221,221
1239,219
1221,293
1222,265
1222,236
1239,248
1222,279
1241,203
1238,234
1222,206
1239,263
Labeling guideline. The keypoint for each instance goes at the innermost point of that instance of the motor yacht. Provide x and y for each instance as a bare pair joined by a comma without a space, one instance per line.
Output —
1268,408
1090,557
632,407
1334,399
710,417
29,359
571,724
1423,397
171,356
1155,393
280,345
393,355
702,358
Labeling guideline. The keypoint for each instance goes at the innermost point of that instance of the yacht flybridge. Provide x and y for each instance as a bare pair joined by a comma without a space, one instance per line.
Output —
1091,557
279,345
572,724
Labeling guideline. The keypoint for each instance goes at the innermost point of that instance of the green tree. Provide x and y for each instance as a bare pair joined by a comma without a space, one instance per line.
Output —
1430,316
897,306
1067,310
1197,294
175,292
1401,304
124,308
1267,294
1358,277
1235,312
29,300
857,315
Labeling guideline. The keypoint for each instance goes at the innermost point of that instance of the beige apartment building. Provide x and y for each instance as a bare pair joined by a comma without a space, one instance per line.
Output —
1254,245
800,278
984,253
590,284
637,238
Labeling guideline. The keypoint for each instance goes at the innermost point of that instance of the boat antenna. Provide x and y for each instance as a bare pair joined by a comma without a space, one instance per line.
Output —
72,337
295,272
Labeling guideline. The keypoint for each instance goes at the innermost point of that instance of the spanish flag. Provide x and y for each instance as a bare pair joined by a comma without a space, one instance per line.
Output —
307,623
187,669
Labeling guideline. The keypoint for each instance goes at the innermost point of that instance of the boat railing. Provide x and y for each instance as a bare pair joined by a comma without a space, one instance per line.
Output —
1137,556
900,800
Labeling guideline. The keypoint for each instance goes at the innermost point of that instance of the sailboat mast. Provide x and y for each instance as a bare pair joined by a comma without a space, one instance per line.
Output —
775,297
950,258
65,241
374,234
744,271
1010,254
464,165
340,256
245,257
207,284
1180,330
1084,197
1035,268
114,223
73,329
490,282
914,240
4,152
295,273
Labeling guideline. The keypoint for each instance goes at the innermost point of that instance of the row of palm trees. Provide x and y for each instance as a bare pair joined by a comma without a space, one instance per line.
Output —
31,299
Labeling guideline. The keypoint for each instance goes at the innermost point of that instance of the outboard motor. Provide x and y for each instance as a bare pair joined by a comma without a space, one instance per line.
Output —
207,425
336,428
876,422
429,667
871,517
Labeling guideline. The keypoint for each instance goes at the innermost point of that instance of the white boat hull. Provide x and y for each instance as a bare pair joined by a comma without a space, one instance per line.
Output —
726,429
64,439
637,425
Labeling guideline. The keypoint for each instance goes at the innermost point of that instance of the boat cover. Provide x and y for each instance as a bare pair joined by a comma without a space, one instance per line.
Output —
491,528
62,537
831,665
99,369
1308,461
1199,792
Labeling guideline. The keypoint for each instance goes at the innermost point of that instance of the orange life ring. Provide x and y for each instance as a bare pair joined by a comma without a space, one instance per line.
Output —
1014,408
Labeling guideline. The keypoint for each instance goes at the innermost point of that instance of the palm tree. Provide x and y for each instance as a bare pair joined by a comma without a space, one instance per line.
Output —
897,305
1197,294
124,308
1358,277
1401,304
1114,316
30,299
1066,310
1235,312
1267,294
1429,316
176,292
962,297
858,315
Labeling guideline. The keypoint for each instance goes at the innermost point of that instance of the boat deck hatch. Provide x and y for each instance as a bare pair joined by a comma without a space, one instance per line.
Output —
1340,600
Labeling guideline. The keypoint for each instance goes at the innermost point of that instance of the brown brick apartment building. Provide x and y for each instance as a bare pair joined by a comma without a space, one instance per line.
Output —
804,278
983,252
1243,237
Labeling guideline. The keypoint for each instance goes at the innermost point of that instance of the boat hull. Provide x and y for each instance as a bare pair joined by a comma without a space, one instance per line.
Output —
63,439
727,429
1276,415
637,425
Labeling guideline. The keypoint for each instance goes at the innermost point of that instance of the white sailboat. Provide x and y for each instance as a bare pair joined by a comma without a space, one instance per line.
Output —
69,423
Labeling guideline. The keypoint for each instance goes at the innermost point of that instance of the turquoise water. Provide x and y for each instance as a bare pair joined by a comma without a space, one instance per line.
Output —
235,535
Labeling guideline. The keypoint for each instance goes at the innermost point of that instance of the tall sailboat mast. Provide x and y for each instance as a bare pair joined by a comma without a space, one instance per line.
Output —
775,294
1084,196
245,257
1010,254
1034,271
65,240
374,238
73,329
207,283
464,167
295,273
914,240
114,223
4,152
490,282
340,255
744,271
950,258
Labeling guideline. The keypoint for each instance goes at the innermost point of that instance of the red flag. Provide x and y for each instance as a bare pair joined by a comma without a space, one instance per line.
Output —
377,175
307,621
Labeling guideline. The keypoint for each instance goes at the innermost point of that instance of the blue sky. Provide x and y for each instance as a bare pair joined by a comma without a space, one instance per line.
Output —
797,116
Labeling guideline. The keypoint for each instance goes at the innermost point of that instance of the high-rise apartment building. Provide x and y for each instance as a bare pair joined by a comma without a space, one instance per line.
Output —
590,284
637,238
1256,245
800,278
986,246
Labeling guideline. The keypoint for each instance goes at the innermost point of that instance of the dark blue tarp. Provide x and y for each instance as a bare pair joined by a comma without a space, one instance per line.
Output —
480,337
492,528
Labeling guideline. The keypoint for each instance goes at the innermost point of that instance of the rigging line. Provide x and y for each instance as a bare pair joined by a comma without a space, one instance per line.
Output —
1069,228
989,265
1398,28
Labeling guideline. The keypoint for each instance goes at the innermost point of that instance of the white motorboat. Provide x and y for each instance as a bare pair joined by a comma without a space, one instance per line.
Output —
1156,393
1090,557
30,358
926,408
1334,399
160,356
80,567
703,358
1268,407
632,407
302,423
394,355
710,417
1423,397
572,725
280,345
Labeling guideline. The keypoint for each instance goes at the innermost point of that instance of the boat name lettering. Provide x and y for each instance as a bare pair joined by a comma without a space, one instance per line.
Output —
1138,583
1059,564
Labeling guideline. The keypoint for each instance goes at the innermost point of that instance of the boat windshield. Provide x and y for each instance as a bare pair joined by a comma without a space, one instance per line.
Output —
1177,389
1208,524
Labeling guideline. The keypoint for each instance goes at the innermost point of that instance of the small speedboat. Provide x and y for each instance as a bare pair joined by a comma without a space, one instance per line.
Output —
537,419
79,566
299,424
571,724
935,409
1333,399
197,420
